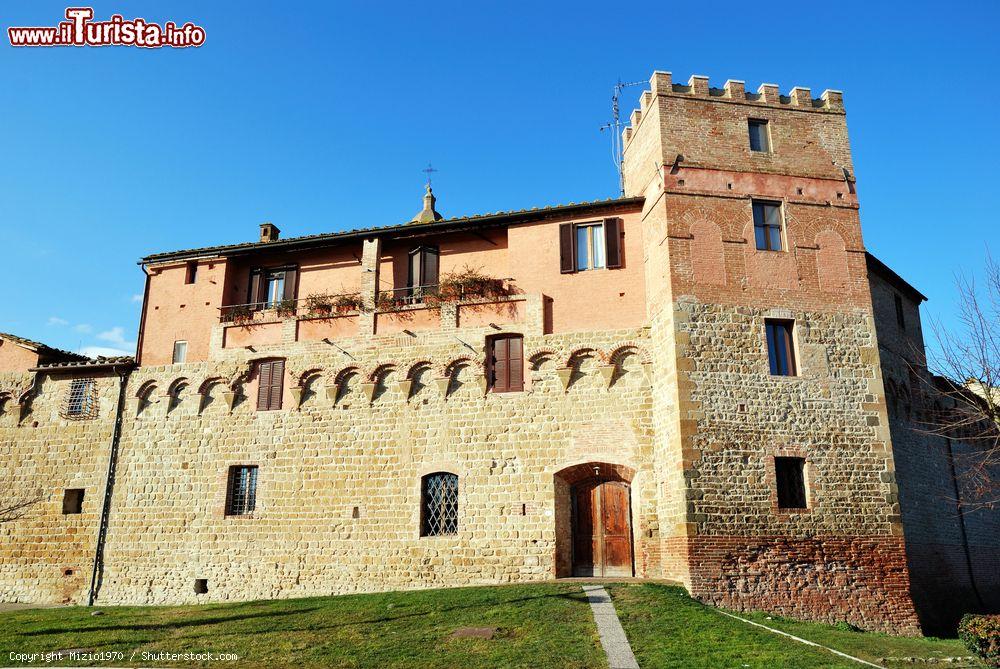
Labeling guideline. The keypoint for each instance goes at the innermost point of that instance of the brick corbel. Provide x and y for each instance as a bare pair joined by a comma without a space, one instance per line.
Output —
296,395
443,384
565,375
331,393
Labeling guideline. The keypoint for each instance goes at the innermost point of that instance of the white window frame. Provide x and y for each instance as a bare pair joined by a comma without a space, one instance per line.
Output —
183,357
593,251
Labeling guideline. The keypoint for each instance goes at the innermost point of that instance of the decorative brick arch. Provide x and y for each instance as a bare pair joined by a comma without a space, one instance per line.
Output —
302,378
146,389
207,384
345,373
418,367
448,370
584,471
539,356
378,374
579,354
176,384
617,355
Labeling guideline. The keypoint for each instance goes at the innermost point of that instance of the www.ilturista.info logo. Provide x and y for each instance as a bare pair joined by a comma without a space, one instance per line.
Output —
80,30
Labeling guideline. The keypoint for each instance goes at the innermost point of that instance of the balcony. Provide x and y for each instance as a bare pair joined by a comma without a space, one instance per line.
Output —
483,303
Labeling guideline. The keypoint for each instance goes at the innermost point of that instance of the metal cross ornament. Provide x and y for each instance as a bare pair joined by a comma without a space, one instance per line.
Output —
428,171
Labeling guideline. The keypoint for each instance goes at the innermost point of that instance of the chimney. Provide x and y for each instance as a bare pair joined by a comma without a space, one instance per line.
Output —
269,232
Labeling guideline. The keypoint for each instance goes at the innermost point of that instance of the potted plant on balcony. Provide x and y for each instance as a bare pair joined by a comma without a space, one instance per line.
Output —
320,304
471,284
240,314
345,304
285,308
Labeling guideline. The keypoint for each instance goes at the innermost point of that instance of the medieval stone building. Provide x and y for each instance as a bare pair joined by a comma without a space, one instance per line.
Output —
687,382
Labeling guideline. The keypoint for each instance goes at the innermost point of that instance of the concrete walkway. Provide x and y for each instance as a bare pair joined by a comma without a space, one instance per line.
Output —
613,638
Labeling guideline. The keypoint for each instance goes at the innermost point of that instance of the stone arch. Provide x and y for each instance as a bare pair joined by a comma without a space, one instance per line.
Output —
378,374
626,349
418,376
565,482
176,392
146,389
346,372
343,381
457,365
302,378
418,368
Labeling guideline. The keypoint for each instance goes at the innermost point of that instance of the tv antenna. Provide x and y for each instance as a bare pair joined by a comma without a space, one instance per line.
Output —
615,126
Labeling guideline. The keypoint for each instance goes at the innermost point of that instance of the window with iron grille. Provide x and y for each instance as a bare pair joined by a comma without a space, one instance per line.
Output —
241,491
81,402
789,474
439,504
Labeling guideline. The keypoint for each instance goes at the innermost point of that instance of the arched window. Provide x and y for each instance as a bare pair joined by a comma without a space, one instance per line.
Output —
439,504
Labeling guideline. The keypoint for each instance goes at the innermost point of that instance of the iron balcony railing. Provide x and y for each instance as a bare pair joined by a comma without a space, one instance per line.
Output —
319,305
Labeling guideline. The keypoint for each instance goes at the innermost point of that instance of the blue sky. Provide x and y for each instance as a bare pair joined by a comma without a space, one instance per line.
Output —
319,116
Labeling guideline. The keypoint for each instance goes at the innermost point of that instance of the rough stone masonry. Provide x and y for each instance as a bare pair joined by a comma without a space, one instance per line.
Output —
602,387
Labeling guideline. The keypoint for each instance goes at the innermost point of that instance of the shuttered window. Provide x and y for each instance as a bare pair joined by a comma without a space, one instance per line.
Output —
505,363
586,246
780,347
271,379
422,274
789,475
270,287
241,490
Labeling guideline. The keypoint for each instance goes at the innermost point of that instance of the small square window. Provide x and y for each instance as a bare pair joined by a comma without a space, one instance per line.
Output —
789,476
767,225
191,272
180,351
780,347
200,586
73,501
759,140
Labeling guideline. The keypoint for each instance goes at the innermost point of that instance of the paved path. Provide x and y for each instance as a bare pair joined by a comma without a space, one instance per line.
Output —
613,638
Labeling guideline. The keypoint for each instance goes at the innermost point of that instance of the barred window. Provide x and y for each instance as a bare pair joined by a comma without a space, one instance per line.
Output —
439,504
241,490
81,402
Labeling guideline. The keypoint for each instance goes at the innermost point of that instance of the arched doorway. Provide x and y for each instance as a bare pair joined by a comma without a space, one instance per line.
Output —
594,520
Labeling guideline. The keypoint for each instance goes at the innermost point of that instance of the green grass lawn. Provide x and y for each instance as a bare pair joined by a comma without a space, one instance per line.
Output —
538,626
669,629
541,626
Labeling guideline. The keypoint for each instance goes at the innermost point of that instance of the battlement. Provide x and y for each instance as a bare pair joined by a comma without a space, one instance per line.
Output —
733,91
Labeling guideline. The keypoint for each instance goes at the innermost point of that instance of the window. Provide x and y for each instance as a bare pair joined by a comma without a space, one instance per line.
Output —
767,225
759,140
270,382
191,272
505,363
780,347
200,586
422,272
585,246
73,501
439,504
269,287
81,401
180,351
241,490
900,317
789,476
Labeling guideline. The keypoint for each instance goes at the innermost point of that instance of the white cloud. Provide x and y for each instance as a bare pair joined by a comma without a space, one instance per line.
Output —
105,351
137,297
115,335
83,328
55,320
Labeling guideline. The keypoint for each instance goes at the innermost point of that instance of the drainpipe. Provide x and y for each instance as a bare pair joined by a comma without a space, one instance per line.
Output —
142,319
961,522
102,534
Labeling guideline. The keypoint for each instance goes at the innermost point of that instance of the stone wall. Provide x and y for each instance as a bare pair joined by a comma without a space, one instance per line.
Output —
338,496
47,556
952,538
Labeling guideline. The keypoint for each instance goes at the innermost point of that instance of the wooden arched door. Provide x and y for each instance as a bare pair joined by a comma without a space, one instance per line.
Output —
602,529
